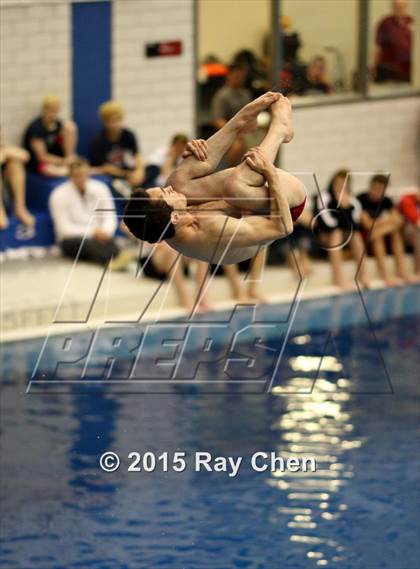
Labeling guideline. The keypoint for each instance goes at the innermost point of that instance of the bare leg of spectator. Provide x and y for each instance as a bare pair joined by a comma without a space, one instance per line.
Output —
397,247
69,134
256,274
379,250
412,238
335,255
4,221
299,262
305,263
358,249
165,260
15,175
298,259
236,285
291,259
201,276
383,227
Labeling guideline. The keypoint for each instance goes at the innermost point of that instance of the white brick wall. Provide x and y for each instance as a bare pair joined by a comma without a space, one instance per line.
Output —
366,136
158,93
35,59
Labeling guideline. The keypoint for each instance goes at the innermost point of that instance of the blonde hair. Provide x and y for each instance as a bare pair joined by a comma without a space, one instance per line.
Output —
51,100
111,108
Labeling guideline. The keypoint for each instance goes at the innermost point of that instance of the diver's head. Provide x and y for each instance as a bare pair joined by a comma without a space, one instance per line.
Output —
151,215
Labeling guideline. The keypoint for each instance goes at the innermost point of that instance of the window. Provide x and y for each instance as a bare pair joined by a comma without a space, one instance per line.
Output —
393,50
230,32
319,47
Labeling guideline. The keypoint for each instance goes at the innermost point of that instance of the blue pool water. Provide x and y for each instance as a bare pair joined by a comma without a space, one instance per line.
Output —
344,391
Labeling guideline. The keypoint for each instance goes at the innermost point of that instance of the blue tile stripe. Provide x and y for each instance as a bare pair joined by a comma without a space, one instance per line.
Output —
91,41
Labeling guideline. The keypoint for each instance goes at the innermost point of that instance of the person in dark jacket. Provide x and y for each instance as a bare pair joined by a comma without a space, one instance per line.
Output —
337,220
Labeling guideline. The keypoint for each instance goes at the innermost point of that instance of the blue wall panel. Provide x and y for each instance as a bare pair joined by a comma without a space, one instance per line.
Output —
91,35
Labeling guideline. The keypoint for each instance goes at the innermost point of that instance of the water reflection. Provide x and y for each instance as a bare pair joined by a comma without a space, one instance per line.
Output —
59,510
95,415
318,425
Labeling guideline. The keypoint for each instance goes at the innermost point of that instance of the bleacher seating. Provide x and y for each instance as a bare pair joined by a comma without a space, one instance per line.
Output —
17,236
38,191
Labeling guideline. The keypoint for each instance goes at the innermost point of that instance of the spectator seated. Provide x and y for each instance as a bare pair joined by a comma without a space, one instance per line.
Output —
38,191
18,236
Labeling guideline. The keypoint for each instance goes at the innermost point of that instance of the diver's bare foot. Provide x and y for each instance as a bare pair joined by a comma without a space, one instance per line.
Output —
247,117
25,217
281,112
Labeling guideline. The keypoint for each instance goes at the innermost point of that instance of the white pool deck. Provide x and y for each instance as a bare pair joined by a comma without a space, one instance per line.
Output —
38,292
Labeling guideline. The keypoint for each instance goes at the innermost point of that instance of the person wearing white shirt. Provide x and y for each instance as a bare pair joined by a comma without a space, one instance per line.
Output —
77,222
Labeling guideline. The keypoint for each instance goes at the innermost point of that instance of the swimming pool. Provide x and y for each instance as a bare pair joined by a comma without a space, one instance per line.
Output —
345,392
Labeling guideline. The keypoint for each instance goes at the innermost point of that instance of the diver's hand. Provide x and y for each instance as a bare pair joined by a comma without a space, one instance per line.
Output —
258,161
197,148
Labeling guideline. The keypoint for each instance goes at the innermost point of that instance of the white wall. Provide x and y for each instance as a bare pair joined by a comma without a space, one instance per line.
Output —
158,93
373,136
35,59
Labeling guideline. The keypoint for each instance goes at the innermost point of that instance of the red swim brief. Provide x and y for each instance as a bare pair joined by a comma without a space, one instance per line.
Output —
296,211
